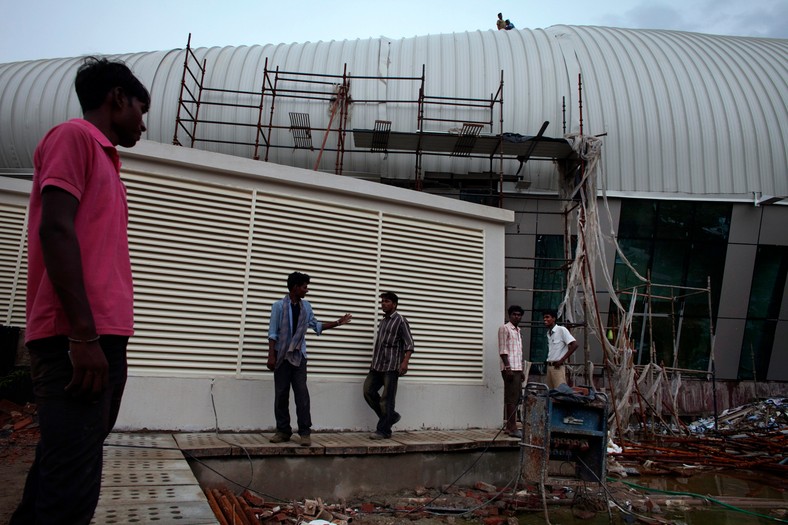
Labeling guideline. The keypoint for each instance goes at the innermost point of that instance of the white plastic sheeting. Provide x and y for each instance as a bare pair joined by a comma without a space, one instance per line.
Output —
685,114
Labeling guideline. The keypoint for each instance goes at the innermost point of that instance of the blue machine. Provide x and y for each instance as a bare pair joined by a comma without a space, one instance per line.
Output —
565,428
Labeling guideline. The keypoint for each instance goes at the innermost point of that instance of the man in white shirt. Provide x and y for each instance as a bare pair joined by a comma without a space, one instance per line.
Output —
561,345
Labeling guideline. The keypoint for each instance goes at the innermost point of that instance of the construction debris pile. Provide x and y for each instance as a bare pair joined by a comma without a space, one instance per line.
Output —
770,414
250,509
684,455
483,503
14,417
753,436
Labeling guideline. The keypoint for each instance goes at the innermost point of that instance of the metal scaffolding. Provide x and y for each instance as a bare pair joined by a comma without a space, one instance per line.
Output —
472,132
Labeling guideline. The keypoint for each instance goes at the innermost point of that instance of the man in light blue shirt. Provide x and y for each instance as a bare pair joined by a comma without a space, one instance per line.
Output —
290,318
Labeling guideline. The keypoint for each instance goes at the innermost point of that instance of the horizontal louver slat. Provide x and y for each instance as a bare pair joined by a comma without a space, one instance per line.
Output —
13,264
209,260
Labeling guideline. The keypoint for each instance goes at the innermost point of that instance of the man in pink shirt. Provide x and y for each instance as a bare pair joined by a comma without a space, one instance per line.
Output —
79,293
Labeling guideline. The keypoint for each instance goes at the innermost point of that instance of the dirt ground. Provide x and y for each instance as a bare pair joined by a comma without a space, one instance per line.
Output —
17,449
19,435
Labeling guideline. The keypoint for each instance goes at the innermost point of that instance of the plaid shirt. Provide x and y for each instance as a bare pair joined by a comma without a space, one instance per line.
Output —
393,342
510,343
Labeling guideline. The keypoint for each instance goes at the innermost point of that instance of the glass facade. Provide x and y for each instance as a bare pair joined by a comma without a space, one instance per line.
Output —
549,283
768,283
679,244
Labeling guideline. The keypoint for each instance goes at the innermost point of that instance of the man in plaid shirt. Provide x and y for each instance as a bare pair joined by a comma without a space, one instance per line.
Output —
390,357
510,349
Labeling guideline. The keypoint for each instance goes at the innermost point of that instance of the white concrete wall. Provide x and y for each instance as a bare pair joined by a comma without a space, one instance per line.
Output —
187,402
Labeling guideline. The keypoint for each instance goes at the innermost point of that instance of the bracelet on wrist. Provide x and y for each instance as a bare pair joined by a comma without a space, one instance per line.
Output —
84,341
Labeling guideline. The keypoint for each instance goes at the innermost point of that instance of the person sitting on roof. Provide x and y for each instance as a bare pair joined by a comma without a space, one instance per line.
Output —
500,23
508,25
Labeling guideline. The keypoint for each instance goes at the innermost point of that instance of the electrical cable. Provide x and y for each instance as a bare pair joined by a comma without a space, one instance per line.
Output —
204,464
616,503
705,498
216,434
247,486
394,511
444,490
516,480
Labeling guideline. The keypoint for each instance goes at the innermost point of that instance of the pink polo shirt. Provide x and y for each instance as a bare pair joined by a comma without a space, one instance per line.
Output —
78,158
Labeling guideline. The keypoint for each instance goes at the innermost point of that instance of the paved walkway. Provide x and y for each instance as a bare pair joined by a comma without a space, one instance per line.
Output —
147,479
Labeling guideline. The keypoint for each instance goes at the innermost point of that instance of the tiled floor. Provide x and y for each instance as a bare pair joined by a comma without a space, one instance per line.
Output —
147,479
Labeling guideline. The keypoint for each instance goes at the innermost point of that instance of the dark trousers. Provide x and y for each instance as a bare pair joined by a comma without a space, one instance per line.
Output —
285,377
382,404
512,390
64,481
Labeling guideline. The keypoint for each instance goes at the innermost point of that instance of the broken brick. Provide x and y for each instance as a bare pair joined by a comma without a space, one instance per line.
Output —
22,423
253,499
485,487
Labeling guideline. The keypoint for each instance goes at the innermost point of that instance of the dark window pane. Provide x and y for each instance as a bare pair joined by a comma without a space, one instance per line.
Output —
694,346
550,284
766,295
757,349
668,265
707,260
637,219
639,338
674,220
712,222
642,331
638,253
768,282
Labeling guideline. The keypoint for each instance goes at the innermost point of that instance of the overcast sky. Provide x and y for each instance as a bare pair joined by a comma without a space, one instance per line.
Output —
35,29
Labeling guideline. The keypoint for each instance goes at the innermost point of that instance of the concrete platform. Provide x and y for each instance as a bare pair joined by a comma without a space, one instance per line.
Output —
147,478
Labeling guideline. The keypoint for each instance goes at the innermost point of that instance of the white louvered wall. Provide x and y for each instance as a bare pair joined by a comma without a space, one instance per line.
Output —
13,263
441,269
189,249
210,259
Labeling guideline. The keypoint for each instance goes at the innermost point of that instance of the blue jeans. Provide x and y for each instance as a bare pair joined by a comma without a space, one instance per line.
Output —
382,404
64,481
285,377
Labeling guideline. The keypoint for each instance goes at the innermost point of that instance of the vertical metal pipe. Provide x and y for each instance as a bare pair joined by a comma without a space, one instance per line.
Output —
175,140
712,365
259,128
273,104
199,100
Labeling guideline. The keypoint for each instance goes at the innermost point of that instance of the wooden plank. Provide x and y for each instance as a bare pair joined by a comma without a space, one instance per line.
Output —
343,443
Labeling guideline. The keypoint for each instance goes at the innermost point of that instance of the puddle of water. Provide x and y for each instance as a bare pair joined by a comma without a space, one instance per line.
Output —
743,483
739,484
695,517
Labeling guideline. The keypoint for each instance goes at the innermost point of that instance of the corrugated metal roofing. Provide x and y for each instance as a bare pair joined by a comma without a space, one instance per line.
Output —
684,113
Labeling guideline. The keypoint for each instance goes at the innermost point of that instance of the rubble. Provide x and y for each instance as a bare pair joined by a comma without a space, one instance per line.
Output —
14,417
449,505
769,414
753,436
471,506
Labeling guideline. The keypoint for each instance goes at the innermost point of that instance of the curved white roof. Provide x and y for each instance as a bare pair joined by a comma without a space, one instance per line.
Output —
685,114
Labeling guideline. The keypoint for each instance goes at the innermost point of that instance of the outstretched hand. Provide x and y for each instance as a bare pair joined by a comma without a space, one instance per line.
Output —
91,370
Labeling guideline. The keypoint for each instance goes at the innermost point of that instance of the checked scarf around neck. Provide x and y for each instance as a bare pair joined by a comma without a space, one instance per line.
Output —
290,352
